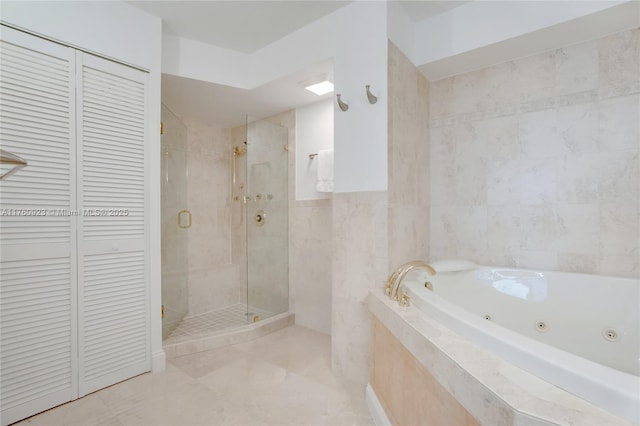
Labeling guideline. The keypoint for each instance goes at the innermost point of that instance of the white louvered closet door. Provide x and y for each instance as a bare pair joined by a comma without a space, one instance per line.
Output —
38,281
112,262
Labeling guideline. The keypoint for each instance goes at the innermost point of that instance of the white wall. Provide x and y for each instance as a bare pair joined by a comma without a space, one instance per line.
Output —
112,29
200,61
360,134
126,34
314,131
400,28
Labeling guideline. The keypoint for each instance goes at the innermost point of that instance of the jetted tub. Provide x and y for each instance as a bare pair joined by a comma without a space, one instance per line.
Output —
576,331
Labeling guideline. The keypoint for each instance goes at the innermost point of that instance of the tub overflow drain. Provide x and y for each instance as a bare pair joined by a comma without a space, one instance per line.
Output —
610,334
541,326
487,317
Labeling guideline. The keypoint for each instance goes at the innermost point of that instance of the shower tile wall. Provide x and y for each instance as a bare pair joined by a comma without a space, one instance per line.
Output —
214,280
534,162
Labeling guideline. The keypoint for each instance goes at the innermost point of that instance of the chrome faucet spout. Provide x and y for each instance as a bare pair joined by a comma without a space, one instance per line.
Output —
394,281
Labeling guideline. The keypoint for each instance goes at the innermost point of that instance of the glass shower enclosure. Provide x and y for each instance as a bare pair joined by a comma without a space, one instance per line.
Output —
267,219
175,243
256,225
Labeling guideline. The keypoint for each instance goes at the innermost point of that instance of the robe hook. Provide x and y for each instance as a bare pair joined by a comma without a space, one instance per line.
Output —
372,99
343,106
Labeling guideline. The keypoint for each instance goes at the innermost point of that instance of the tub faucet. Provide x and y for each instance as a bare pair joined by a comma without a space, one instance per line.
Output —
394,281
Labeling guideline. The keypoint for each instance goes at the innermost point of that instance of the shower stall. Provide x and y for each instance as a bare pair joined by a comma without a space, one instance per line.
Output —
224,226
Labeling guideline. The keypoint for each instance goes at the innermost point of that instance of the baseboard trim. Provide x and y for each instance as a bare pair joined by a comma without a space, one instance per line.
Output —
158,361
375,408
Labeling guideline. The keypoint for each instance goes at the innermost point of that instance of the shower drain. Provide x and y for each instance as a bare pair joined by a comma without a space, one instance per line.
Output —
610,334
541,326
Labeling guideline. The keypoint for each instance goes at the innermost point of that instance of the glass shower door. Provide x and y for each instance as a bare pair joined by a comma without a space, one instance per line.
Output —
175,221
267,209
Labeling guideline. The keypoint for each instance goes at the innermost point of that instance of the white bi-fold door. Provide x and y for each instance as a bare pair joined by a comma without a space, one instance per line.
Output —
73,260
38,278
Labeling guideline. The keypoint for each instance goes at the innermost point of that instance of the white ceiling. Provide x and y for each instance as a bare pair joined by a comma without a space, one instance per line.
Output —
247,26
244,26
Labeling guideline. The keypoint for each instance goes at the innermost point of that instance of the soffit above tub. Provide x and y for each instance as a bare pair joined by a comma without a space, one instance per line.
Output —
617,18
243,26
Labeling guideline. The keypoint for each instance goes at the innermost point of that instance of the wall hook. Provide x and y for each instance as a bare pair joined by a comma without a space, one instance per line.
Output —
372,99
342,105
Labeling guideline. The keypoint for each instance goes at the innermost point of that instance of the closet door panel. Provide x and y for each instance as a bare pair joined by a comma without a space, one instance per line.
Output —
38,280
114,320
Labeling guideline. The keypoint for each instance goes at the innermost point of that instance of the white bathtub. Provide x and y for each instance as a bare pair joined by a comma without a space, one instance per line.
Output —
558,326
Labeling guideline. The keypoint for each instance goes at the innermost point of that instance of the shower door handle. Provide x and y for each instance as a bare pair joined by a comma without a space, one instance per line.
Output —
181,214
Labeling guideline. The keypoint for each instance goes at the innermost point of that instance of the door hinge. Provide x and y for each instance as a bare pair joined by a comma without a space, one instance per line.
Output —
162,311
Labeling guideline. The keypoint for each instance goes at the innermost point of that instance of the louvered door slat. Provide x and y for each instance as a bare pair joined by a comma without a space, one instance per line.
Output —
23,107
25,354
38,289
114,320
24,94
34,56
114,329
46,73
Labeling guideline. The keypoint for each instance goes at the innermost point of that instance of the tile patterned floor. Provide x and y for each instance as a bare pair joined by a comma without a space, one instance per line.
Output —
284,378
218,320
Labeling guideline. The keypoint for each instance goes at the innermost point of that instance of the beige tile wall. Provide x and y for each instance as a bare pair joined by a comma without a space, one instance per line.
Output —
535,164
213,278
310,263
359,264
408,156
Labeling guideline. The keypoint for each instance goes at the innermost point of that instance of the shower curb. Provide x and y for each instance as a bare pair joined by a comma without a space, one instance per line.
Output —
222,338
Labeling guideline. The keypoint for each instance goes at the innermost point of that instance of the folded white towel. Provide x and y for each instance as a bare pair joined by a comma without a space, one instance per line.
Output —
325,170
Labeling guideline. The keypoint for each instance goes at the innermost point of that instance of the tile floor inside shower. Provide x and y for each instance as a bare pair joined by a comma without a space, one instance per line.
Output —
218,320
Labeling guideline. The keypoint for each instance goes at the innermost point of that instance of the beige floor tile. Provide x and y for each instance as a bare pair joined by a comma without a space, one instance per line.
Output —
89,411
202,363
244,378
280,379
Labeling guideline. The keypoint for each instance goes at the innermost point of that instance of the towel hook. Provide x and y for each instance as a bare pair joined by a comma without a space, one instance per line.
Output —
343,106
372,99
